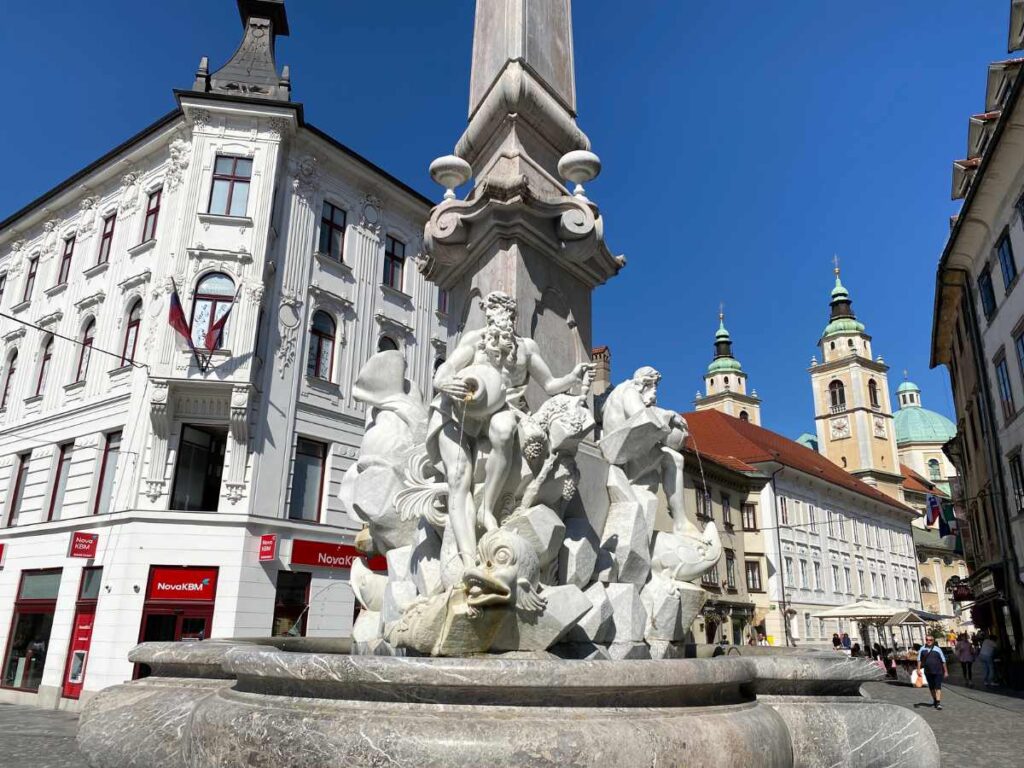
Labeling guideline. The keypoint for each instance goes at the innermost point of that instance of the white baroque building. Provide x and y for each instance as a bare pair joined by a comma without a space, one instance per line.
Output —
144,496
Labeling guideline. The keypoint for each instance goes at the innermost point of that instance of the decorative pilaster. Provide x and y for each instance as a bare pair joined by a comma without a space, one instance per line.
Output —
238,425
160,417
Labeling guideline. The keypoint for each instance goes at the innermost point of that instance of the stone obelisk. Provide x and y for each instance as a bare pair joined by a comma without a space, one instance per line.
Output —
521,229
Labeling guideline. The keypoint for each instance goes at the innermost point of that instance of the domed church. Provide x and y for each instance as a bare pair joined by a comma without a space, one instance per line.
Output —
920,435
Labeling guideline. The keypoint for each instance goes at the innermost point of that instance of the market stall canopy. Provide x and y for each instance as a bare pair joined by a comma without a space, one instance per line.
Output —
905,618
862,610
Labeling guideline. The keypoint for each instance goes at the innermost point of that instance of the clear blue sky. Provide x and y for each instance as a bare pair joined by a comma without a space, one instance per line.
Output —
743,144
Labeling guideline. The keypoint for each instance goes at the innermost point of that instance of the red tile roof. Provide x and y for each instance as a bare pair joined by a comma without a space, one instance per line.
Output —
718,434
912,481
603,349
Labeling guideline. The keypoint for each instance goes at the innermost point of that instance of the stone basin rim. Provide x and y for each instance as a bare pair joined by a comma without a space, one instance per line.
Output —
470,673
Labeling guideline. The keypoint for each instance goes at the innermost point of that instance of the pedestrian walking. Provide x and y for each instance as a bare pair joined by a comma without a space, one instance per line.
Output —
987,657
932,662
846,642
836,642
965,655
855,651
762,640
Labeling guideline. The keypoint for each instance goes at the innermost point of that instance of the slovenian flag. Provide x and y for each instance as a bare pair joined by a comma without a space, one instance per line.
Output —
176,318
934,510
217,329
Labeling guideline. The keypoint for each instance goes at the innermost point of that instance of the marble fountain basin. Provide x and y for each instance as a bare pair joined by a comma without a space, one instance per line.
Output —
235,704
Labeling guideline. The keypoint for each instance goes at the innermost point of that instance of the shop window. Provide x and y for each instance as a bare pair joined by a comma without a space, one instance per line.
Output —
179,605
131,334
20,480
108,473
215,293
290,602
29,638
152,215
60,481
65,261
200,465
307,480
394,263
229,194
332,232
85,350
106,239
321,346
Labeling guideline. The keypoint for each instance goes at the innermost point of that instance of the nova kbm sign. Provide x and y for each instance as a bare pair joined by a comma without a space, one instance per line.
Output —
325,555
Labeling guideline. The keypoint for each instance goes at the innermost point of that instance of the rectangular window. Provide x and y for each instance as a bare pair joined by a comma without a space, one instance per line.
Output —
837,586
30,278
1007,265
862,582
108,472
442,301
805,575
753,570
152,215
60,481
3,285
783,511
703,505
1005,390
307,480
730,569
817,576
885,586
18,495
29,638
710,577
726,511
788,571
899,588
988,296
332,232
290,602
874,584
12,368
65,261
1017,478
394,263
229,195
749,517
849,580
200,464
106,239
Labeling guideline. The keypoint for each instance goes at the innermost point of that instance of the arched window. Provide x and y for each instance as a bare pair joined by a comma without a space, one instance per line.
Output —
849,343
321,346
85,350
214,296
744,416
131,333
438,363
926,585
12,367
44,364
386,343
831,345
837,395
873,394
934,470
726,382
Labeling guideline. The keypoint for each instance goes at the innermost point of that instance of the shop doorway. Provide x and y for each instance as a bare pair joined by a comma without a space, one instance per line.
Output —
199,468
29,637
179,606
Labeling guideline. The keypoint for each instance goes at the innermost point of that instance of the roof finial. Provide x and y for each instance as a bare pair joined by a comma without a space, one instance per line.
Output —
835,264
906,375
721,312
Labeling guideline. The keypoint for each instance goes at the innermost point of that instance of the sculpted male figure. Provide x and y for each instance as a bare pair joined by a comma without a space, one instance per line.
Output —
483,388
632,406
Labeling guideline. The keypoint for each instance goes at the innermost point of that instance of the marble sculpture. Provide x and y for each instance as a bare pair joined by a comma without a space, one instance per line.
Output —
468,497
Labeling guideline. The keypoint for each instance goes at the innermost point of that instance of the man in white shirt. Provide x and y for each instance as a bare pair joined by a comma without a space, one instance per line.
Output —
933,662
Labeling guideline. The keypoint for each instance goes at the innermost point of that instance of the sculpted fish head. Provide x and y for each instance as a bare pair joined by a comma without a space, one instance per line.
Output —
507,572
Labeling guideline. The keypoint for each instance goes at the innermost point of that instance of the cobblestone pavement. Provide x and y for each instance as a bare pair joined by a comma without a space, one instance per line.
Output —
976,727
40,738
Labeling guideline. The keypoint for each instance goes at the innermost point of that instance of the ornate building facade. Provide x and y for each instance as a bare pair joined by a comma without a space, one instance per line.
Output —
150,493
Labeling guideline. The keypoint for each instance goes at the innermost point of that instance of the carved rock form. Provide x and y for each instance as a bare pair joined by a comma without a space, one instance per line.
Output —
577,558
543,529
626,545
425,560
629,619
539,631
597,625
671,608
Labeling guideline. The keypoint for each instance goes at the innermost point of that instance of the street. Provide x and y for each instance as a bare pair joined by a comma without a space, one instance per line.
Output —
977,727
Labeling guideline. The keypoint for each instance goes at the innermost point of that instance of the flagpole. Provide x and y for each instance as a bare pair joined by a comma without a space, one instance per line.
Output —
191,344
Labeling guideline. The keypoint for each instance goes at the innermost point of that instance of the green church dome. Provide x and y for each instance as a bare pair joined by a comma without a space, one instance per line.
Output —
725,365
907,386
915,424
843,325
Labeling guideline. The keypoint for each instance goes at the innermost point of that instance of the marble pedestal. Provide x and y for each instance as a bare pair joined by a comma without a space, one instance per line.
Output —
228,705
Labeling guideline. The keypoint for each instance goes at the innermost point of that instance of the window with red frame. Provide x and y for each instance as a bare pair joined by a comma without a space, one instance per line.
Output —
394,263
60,481
44,366
108,470
29,638
30,279
332,232
20,480
106,239
321,346
307,480
65,261
152,215
131,333
229,195
214,295
12,367
85,350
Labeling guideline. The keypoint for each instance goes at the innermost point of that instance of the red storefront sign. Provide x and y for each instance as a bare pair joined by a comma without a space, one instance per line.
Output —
78,651
182,584
268,547
325,555
83,544
3,548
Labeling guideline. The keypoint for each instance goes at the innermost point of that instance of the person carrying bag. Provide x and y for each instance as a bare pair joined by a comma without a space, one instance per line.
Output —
932,662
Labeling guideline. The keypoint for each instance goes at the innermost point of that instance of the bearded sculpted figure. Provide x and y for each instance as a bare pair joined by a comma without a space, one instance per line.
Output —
481,403
646,440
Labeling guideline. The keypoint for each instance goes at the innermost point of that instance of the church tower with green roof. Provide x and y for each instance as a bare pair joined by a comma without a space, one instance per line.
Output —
852,411
725,382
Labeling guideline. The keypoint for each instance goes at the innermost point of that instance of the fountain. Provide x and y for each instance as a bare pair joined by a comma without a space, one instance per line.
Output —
532,613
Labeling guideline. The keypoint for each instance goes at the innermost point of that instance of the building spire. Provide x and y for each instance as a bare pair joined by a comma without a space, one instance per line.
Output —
252,69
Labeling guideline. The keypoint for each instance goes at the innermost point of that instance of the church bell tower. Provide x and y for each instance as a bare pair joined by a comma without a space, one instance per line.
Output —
725,382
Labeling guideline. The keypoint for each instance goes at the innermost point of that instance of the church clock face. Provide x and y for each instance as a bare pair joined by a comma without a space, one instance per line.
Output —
879,426
840,428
